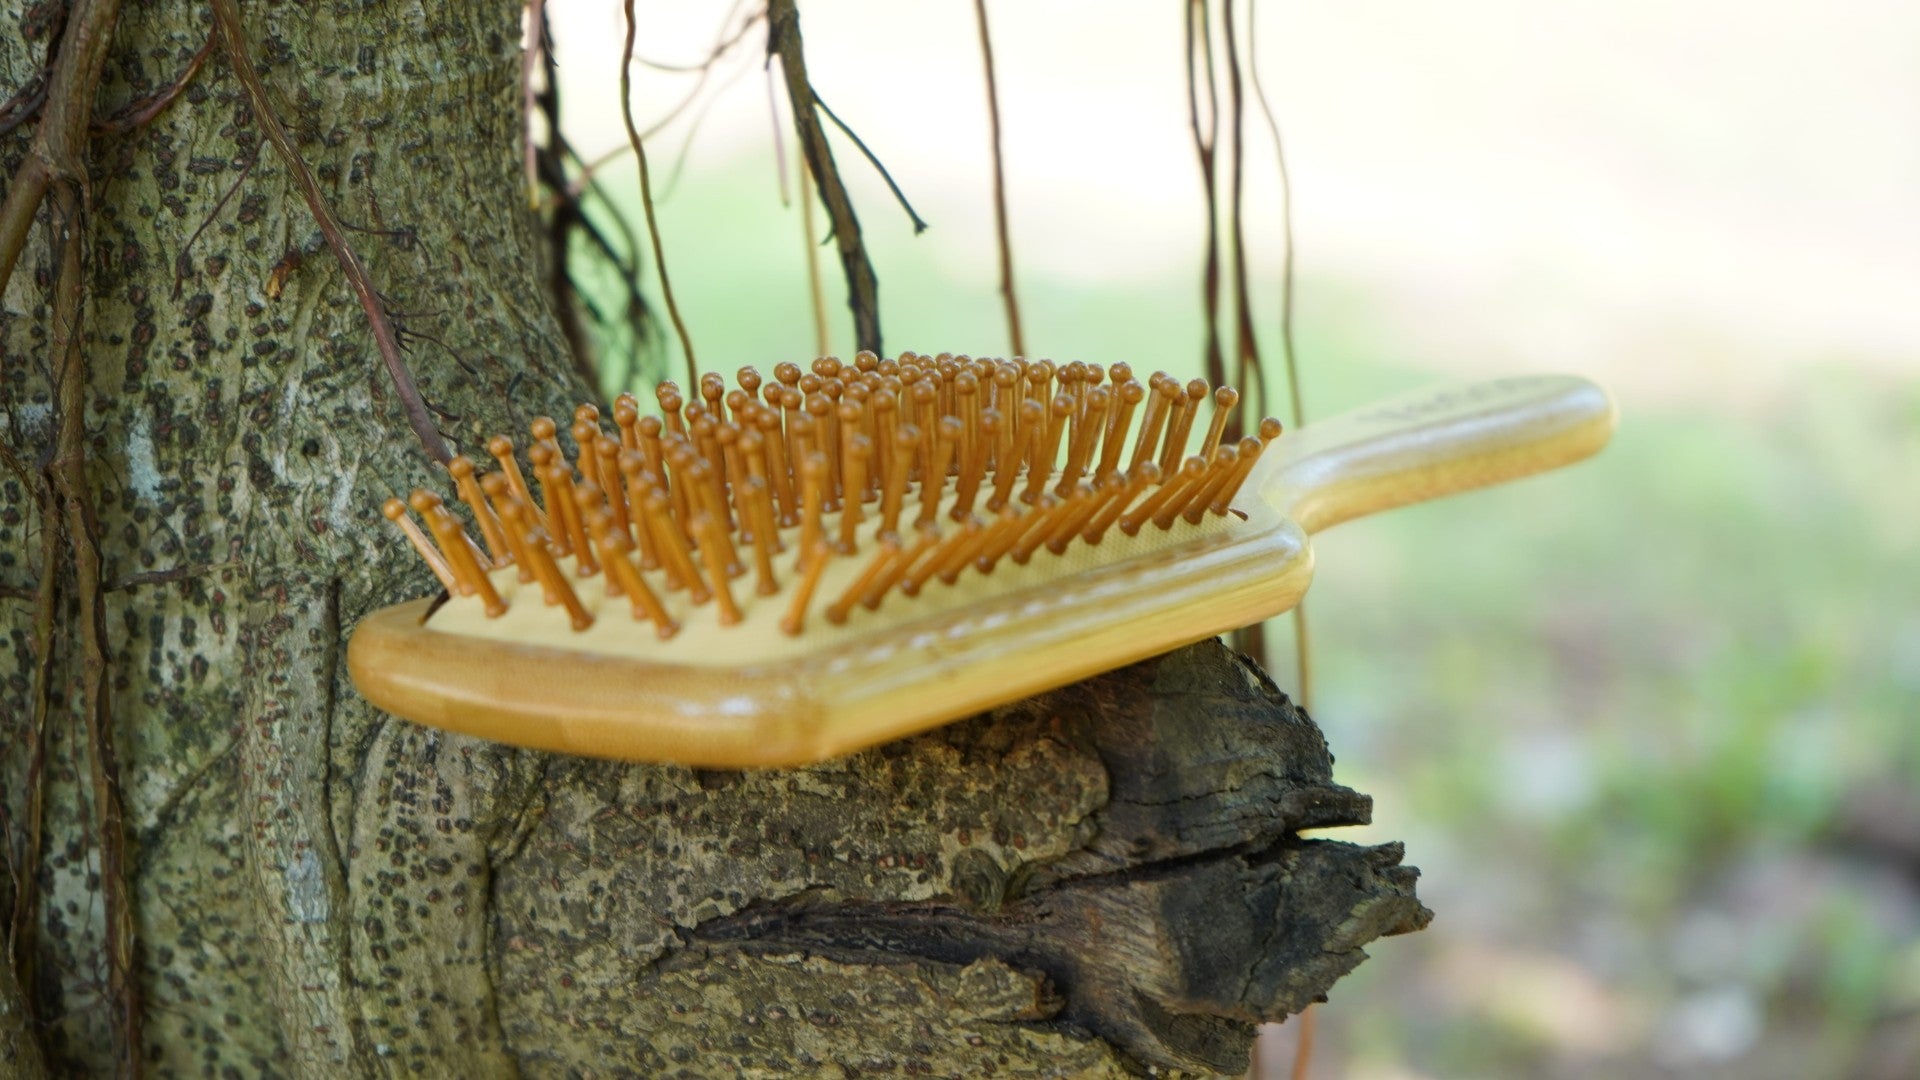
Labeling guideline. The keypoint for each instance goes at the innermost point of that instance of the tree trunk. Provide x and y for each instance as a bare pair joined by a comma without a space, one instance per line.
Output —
1093,882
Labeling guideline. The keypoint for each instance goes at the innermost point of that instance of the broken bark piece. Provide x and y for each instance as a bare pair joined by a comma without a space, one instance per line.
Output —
1107,875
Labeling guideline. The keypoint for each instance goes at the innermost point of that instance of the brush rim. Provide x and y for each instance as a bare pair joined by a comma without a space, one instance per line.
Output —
902,677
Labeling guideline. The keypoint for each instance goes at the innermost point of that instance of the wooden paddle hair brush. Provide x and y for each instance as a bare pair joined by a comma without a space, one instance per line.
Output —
788,569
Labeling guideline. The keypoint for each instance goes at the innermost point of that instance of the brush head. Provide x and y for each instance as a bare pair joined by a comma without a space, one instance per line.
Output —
797,567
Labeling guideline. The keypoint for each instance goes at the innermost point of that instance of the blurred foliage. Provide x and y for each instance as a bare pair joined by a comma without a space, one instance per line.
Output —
1620,713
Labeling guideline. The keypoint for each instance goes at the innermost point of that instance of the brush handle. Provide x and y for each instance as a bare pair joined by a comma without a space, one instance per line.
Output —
1432,443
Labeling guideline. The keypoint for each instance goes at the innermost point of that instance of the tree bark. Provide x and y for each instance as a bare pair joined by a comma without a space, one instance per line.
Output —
1098,881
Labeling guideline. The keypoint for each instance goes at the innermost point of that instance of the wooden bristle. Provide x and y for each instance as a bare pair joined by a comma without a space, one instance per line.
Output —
1014,454
933,481
838,611
607,452
896,570
564,509
396,512
1040,464
1127,397
540,456
1180,421
973,468
765,535
950,547
626,417
1073,517
499,491
1220,470
859,451
674,549
951,562
639,482
585,435
1001,535
1034,527
1130,488
1149,437
469,578
1149,509
813,482
1000,458
1224,399
795,620
544,430
1091,425
461,469
553,583
899,465
501,448
614,545
1250,448
713,550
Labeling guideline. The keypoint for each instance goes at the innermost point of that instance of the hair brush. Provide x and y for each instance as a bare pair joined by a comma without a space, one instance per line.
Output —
794,568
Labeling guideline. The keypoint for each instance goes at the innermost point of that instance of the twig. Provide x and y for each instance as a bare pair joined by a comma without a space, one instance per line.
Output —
11,461
646,198
810,249
919,226
624,260
999,187
1302,649
1200,41
23,105
26,895
167,576
1302,646
549,168
575,191
721,47
531,58
863,289
815,287
586,185
1247,373
702,70
82,528
418,416
61,143
17,211
721,44
141,113
1309,1017
181,264
779,140
1251,640
693,130
1299,408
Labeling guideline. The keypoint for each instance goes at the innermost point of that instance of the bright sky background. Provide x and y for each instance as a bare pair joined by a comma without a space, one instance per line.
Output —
1676,197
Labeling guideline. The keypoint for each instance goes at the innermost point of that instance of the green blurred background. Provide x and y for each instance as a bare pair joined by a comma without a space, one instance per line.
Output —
1651,725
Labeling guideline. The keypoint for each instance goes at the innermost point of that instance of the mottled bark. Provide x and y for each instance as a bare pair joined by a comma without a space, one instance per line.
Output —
19,1047
1097,881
